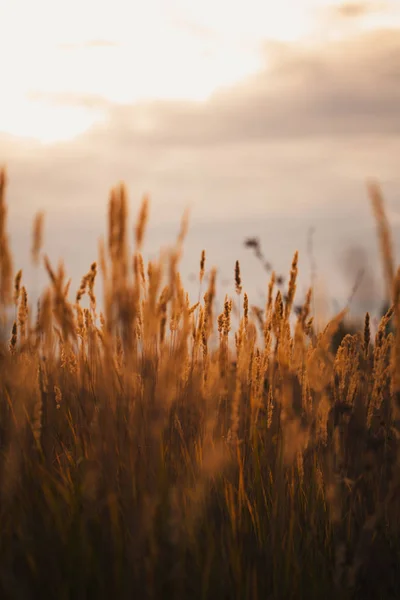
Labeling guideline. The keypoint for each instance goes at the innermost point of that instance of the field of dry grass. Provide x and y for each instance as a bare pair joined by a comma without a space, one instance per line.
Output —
144,456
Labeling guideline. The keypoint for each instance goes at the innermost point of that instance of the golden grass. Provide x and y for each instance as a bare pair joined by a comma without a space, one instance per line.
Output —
139,459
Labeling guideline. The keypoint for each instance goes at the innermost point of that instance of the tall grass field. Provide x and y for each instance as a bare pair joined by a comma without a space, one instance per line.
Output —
148,451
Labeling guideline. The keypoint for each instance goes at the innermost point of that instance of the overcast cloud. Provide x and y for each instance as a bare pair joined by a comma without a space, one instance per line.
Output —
286,149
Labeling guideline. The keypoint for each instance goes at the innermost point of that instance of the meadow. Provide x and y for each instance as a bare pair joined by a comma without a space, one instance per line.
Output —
148,451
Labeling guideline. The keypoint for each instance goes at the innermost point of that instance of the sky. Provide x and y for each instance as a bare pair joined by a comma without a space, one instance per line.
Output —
264,118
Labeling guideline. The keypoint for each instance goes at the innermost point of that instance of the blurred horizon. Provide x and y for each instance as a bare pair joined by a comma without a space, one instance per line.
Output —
266,121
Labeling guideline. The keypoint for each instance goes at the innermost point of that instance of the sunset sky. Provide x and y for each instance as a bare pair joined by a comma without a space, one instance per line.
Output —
266,118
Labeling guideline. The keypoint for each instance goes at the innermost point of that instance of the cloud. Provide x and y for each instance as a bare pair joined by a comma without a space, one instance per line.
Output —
318,119
338,90
343,89
283,150
356,10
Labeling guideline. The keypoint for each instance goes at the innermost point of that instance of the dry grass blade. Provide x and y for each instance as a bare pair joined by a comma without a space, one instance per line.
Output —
6,267
384,235
37,238
141,223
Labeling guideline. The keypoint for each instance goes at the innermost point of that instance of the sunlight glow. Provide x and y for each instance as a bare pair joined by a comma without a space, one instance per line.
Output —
124,51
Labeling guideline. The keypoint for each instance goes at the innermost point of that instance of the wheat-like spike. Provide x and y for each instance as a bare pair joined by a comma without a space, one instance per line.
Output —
384,235
17,286
6,266
141,222
238,281
37,237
